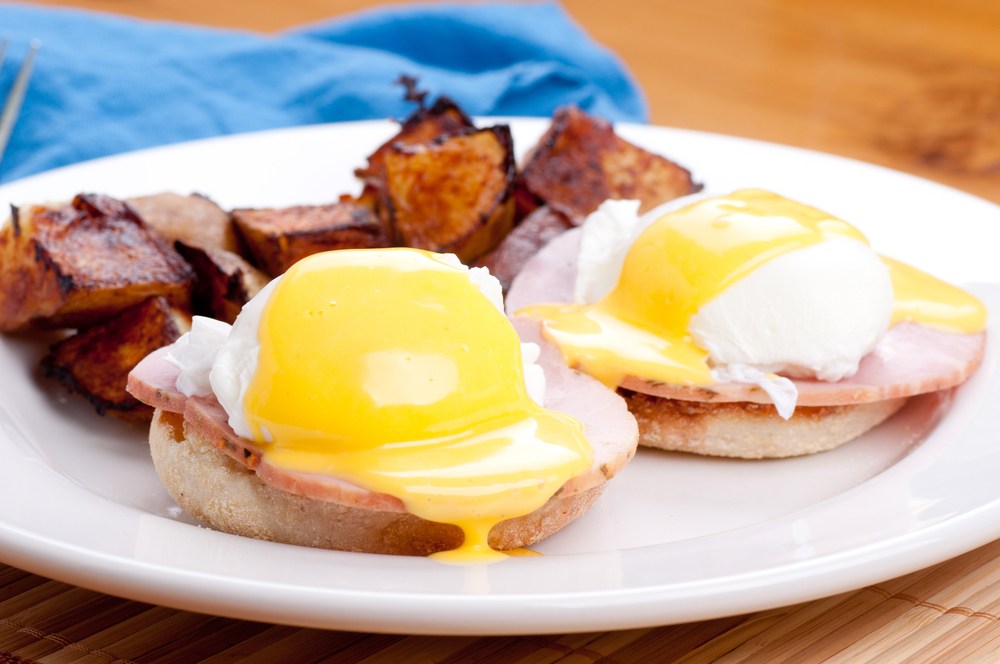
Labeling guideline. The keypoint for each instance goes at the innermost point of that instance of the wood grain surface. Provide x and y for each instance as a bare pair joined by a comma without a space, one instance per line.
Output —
909,84
946,613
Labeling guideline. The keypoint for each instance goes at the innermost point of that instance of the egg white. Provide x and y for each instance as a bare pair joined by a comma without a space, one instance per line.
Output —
810,313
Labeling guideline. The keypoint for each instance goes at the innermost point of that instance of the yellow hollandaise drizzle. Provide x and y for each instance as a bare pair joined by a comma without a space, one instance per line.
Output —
689,256
921,298
390,369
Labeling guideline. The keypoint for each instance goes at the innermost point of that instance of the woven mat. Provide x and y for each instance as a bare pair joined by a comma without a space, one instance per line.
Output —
944,613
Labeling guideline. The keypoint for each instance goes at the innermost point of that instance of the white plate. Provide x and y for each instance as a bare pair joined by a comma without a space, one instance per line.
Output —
675,538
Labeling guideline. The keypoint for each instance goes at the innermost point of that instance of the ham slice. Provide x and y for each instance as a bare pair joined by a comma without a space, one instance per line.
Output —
534,232
154,382
910,359
548,276
609,427
603,413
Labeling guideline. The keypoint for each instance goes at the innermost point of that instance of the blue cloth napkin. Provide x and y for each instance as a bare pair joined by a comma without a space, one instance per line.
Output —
104,84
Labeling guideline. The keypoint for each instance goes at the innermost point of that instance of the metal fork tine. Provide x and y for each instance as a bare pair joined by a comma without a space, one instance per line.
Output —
12,107
3,49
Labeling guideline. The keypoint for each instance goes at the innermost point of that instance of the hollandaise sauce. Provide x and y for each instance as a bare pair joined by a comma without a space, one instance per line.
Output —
922,298
391,370
689,256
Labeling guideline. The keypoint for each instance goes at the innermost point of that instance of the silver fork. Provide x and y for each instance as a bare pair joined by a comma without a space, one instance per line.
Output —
12,106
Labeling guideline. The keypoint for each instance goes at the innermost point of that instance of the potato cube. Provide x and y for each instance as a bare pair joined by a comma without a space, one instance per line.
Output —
277,238
72,265
194,220
444,118
95,361
580,162
224,281
454,194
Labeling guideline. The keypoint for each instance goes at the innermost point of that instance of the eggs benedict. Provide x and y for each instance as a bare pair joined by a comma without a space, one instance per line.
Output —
748,325
378,400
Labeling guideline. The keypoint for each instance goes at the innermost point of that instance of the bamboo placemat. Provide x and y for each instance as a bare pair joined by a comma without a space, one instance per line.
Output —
948,612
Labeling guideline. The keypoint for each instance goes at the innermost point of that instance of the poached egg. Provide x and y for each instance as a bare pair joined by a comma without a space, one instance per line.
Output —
395,370
751,287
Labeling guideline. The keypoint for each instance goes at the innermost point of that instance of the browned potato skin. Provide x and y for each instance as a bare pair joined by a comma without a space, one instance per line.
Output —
74,265
278,238
95,361
580,162
224,281
454,194
439,184
193,219
444,118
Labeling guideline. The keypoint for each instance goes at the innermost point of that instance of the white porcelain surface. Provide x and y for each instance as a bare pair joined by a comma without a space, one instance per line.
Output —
675,538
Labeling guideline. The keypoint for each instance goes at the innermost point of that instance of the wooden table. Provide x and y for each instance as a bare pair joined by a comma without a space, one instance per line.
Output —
909,84
913,85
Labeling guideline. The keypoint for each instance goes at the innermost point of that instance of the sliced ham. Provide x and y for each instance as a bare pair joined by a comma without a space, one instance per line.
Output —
548,276
534,232
205,419
603,413
910,359
154,382
609,427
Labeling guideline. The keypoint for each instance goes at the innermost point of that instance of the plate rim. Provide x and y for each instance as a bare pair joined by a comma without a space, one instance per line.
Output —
34,552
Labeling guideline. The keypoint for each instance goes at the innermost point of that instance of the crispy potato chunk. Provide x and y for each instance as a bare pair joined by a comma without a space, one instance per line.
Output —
224,281
444,118
533,233
95,361
454,194
72,265
277,238
580,162
194,220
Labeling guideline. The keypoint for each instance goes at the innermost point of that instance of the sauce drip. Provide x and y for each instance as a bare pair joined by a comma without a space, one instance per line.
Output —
391,370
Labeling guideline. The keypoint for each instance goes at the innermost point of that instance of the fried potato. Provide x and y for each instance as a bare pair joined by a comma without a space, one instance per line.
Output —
533,233
95,361
277,238
194,220
224,281
454,194
73,265
444,118
580,162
